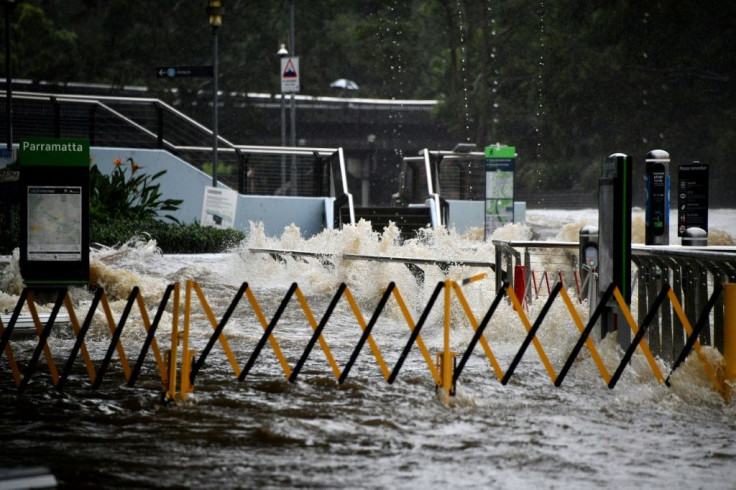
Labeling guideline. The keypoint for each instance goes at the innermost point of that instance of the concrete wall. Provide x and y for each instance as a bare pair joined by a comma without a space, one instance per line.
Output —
183,181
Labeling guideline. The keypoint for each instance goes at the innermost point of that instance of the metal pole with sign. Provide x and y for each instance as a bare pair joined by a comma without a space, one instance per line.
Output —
54,215
657,178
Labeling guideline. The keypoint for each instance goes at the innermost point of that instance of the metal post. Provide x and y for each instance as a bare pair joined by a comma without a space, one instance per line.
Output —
214,111
9,4
292,50
729,332
657,177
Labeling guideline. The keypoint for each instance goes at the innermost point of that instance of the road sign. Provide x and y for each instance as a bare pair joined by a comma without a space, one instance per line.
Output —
184,71
290,74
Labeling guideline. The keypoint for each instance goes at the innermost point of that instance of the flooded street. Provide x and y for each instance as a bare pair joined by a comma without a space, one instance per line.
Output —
266,432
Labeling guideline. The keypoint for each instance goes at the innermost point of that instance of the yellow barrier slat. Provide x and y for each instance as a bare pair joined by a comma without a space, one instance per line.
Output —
271,338
314,325
420,342
91,373
361,321
184,381
46,349
709,371
111,326
474,323
213,322
537,345
588,342
11,359
154,345
174,350
643,345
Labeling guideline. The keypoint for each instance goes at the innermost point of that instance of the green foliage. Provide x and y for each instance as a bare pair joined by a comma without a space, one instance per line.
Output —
9,229
170,237
129,197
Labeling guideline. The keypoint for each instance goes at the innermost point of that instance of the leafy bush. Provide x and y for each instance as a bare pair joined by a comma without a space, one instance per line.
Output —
133,197
170,237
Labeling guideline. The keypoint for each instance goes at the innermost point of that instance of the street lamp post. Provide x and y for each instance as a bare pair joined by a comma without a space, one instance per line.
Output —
283,53
215,9
9,5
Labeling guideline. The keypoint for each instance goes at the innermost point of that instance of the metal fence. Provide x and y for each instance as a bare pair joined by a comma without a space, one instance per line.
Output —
695,276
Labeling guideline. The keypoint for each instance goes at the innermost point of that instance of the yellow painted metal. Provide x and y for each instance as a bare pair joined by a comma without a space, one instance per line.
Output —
173,356
446,357
321,340
643,345
154,344
535,341
729,333
11,359
420,342
111,325
709,371
361,321
271,339
184,382
213,321
39,329
75,325
588,342
474,323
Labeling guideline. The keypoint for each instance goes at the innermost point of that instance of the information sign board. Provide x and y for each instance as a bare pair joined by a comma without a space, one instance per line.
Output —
499,206
692,194
54,241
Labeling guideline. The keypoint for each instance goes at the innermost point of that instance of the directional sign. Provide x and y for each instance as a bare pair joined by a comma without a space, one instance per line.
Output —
184,71
290,74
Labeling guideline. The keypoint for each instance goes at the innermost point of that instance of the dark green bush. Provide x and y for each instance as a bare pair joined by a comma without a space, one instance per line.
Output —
170,237
9,229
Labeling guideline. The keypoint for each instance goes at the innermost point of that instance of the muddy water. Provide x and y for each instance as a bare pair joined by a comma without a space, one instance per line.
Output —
267,432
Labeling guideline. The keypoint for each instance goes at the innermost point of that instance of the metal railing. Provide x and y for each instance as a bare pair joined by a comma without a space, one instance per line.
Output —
693,274
139,122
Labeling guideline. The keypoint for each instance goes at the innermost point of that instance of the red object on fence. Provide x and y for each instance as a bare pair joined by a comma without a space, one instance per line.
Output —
520,283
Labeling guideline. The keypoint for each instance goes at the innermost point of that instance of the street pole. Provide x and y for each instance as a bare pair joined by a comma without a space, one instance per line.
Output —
282,52
9,4
214,113
292,50
215,10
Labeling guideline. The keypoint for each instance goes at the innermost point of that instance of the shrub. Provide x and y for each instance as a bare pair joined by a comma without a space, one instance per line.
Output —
134,197
170,237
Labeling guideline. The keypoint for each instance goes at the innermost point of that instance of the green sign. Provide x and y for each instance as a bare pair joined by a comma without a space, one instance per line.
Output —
54,152
499,206
54,177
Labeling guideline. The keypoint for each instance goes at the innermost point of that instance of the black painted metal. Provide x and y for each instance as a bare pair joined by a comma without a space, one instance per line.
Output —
115,338
640,334
586,333
317,333
415,332
267,333
150,336
31,368
13,318
532,332
702,323
476,337
218,331
80,339
367,332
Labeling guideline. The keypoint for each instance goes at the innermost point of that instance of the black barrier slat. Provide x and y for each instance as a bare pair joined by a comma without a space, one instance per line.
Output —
151,335
702,322
115,338
267,333
586,333
31,368
367,332
317,333
218,330
639,335
532,333
415,332
80,339
13,318
476,337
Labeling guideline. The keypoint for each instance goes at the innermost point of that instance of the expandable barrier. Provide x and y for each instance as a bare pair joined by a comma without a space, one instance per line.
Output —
180,366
